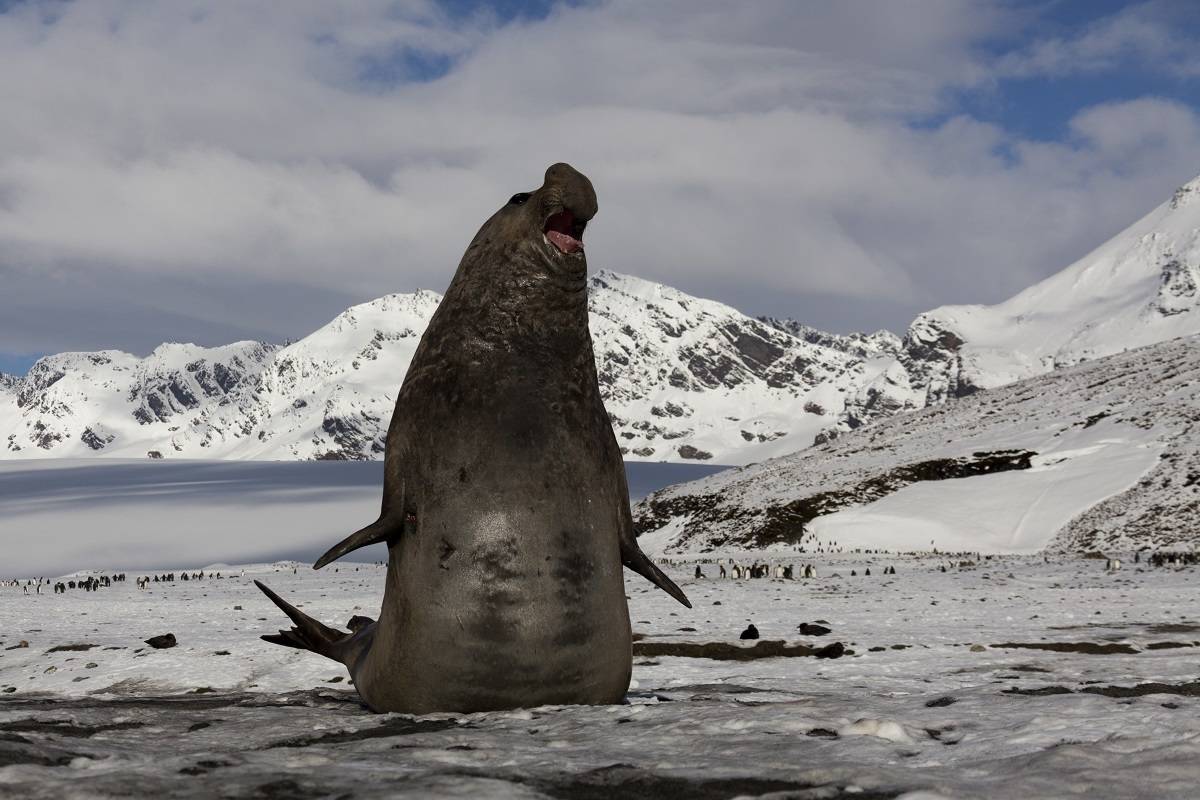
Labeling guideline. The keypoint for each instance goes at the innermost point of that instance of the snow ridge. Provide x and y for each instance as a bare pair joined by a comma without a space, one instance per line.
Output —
683,379
1140,287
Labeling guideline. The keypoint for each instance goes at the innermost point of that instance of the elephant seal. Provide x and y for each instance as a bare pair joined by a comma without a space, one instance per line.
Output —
505,505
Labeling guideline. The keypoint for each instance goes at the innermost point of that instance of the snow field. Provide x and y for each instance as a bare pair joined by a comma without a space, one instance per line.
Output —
930,711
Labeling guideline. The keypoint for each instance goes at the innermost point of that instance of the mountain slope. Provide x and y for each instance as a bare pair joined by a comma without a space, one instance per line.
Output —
1140,287
1101,455
83,403
696,379
683,379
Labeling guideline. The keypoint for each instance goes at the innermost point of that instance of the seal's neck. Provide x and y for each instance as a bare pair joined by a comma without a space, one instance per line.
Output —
520,300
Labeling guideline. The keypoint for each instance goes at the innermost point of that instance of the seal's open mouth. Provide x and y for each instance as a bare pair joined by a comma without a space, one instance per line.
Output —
565,232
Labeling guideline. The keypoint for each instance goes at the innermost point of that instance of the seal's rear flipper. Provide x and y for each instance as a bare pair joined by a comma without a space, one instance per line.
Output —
378,531
308,633
633,557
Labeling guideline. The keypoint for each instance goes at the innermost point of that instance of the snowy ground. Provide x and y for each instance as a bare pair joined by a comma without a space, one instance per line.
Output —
935,697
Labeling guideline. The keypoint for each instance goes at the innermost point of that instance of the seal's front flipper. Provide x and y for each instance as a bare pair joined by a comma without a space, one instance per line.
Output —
633,557
381,530
308,633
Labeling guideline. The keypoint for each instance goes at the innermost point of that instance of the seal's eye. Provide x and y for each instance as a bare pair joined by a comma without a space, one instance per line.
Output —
519,199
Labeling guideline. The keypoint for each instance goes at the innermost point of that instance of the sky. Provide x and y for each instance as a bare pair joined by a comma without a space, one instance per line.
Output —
208,172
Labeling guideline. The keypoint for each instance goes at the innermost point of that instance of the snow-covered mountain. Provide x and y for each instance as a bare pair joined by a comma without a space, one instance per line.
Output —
880,344
1103,455
696,379
1098,439
683,379
1140,287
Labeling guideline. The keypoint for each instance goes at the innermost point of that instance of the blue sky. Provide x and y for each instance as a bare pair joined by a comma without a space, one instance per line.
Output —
15,364
1041,105
211,172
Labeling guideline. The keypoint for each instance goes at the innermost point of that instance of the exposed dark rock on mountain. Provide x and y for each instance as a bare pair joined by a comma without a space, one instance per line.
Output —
786,523
1118,438
683,379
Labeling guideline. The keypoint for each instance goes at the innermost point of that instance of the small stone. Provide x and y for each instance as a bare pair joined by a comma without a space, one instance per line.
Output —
824,733
978,648
162,642
809,629
835,650
751,632
71,648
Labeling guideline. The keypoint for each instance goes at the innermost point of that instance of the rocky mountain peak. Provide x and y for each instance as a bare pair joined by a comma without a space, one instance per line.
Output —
880,344
1139,288
683,378
1187,194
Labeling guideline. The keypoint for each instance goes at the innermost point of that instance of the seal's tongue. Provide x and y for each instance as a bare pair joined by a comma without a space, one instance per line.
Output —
559,229
564,242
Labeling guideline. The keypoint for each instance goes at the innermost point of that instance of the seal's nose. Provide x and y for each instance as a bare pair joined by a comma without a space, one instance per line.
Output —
574,188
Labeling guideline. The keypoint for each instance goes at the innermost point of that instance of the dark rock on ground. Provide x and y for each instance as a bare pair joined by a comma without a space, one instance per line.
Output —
714,688
64,727
1184,689
633,783
723,651
1041,691
823,733
835,650
71,648
1087,648
398,727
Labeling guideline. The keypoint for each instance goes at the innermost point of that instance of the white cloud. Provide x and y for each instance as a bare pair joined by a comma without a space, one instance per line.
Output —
763,155
1146,34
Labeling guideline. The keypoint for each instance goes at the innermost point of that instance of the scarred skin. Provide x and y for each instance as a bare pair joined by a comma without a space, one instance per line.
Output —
505,505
